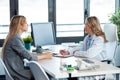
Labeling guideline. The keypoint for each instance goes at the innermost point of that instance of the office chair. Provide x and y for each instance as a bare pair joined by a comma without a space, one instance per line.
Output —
7,74
116,59
111,46
37,70
110,31
111,34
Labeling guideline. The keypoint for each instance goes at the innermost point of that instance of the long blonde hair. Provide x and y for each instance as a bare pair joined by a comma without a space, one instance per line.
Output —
14,28
94,24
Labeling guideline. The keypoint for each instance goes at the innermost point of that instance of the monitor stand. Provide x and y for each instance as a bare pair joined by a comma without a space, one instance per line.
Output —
38,49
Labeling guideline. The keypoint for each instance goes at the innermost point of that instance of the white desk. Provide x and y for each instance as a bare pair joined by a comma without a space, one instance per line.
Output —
52,67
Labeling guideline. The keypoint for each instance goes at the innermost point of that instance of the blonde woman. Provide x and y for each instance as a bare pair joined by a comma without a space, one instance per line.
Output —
93,44
13,51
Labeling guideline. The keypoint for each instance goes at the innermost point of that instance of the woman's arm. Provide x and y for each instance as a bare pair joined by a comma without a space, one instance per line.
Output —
95,49
18,47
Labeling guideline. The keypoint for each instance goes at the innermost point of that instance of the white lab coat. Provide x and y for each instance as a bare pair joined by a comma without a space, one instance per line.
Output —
96,49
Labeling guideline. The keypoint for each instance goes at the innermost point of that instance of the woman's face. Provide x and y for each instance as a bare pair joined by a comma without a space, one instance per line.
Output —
87,28
24,27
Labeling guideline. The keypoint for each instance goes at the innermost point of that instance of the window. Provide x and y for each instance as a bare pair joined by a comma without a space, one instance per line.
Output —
4,18
69,18
102,9
34,11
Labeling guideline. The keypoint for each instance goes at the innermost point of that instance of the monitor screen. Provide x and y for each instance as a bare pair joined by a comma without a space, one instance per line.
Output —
43,34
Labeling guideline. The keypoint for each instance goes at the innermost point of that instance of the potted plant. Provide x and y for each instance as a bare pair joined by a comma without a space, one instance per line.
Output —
27,41
115,19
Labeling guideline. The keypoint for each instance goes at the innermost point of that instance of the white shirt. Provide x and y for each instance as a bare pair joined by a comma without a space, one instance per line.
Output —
96,49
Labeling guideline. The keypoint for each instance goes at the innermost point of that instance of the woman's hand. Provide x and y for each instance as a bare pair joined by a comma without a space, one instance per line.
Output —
48,54
64,52
45,55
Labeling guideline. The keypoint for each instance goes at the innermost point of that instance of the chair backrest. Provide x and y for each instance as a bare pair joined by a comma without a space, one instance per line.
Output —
111,35
111,32
37,71
110,50
7,74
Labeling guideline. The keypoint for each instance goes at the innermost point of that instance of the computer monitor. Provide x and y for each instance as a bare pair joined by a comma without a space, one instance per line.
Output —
43,34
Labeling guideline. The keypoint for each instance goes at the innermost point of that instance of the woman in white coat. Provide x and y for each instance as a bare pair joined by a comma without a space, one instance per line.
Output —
93,44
